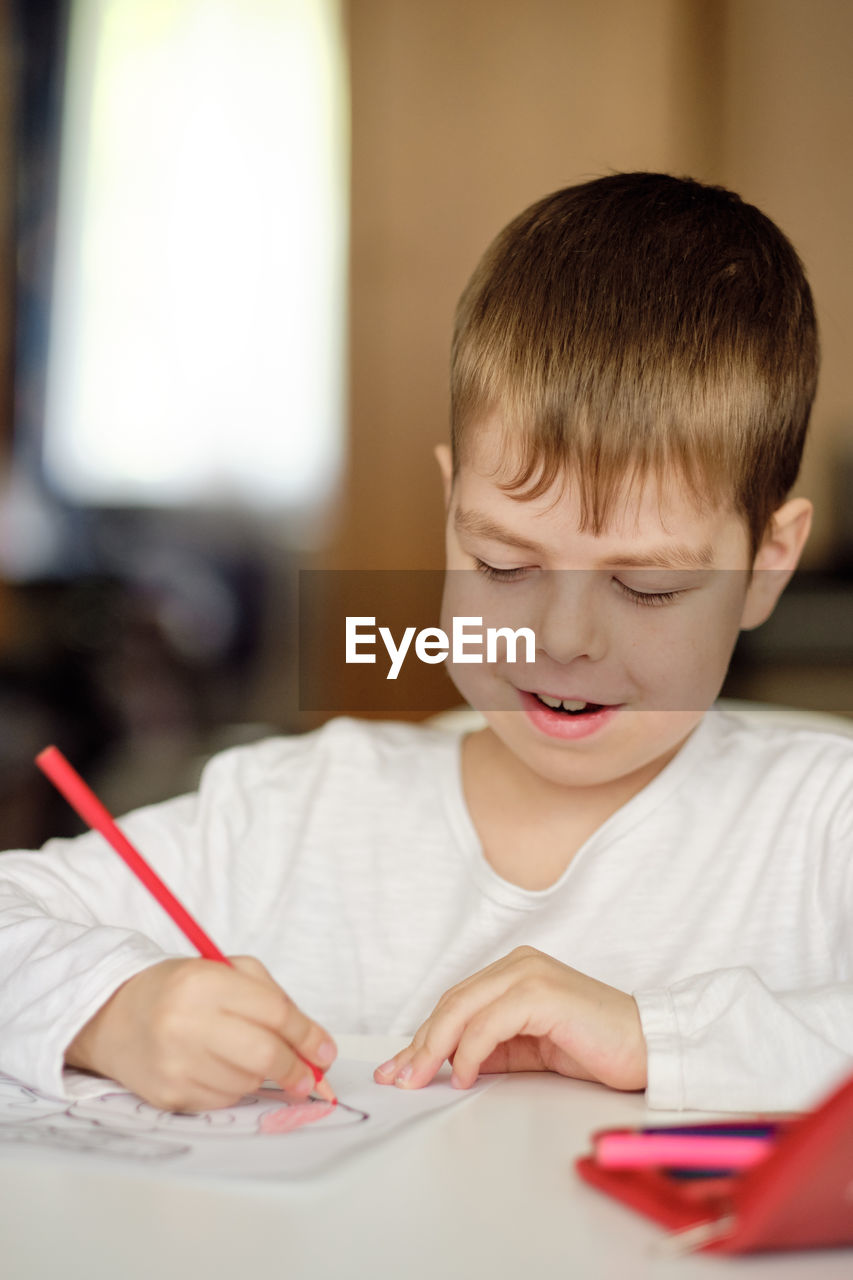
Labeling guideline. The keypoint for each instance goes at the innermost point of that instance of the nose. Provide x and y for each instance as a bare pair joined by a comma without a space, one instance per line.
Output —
570,624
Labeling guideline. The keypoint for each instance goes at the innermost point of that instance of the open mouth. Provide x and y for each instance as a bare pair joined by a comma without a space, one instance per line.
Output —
569,706
566,719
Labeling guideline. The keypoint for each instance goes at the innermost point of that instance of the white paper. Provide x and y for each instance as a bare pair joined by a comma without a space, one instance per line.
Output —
269,1134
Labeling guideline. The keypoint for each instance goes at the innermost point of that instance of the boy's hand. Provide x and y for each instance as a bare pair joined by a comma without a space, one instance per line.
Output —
190,1035
526,1012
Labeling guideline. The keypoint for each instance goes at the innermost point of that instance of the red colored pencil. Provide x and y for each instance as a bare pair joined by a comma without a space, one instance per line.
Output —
83,800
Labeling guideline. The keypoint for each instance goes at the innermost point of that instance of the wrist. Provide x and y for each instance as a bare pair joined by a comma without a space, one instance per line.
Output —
627,1068
78,1054
639,1055
88,1049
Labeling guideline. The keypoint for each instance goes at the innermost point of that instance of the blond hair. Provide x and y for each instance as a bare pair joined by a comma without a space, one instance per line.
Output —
641,323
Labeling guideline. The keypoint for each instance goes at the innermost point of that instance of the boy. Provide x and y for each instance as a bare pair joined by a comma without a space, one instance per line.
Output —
605,881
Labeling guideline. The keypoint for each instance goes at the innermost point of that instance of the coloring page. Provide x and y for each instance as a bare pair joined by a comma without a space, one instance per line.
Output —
268,1134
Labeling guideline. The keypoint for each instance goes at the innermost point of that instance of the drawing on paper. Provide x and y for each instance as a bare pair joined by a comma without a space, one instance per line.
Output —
122,1125
91,1138
269,1134
18,1102
269,1111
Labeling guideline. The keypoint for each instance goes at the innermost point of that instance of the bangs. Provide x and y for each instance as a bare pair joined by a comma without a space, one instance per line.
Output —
617,435
629,327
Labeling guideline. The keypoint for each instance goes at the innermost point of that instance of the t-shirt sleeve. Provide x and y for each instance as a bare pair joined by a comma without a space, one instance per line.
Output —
722,1040
75,923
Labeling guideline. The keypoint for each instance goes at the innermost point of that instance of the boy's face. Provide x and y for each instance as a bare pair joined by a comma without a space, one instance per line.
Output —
657,666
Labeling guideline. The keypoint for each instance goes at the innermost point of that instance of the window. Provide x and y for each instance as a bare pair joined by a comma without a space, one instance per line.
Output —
198,317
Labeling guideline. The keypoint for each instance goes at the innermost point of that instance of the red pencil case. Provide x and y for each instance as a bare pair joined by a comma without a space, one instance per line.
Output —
799,1197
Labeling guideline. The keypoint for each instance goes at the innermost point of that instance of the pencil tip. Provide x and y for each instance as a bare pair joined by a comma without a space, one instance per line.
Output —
325,1091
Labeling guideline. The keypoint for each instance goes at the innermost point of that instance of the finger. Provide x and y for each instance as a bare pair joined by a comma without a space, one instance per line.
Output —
252,967
521,1053
223,1077
205,1097
192,1096
443,1031
385,1073
258,998
258,1054
388,1071
456,995
435,1039
518,960
395,1070
498,1023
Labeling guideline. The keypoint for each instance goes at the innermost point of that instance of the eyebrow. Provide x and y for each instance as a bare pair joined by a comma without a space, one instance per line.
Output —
672,556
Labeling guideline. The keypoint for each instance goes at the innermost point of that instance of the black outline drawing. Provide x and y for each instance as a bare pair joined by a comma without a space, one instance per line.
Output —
126,1111
93,1138
122,1125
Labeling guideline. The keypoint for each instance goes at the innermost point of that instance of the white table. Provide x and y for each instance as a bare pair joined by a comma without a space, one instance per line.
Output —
486,1189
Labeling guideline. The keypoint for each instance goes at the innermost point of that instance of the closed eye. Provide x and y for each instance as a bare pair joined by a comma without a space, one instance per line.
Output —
498,575
645,599
648,597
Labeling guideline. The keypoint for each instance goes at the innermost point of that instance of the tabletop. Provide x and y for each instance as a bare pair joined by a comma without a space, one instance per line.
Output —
483,1189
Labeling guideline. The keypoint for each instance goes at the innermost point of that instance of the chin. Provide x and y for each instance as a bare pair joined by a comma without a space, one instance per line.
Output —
636,743
564,770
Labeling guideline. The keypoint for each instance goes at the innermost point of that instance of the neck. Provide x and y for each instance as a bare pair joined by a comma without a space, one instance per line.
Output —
531,827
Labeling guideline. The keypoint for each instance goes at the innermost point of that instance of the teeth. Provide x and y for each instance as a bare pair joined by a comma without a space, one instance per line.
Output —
567,704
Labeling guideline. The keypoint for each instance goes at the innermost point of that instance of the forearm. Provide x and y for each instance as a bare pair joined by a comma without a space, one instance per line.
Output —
56,974
74,926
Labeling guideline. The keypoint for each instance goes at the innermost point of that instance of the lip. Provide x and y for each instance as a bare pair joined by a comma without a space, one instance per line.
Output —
556,724
568,697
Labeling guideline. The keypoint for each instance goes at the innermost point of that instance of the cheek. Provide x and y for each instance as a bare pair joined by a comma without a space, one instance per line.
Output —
681,660
476,685
457,601
667,658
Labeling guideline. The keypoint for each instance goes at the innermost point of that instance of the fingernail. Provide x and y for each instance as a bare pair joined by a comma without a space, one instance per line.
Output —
456,1082
325,1054
387,1067
404,1075
304,1085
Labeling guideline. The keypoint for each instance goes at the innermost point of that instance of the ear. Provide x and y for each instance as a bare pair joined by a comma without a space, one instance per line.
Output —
780,553
445,466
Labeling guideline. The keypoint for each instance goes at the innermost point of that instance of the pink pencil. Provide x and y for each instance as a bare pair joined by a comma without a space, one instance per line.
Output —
633,1150
83,800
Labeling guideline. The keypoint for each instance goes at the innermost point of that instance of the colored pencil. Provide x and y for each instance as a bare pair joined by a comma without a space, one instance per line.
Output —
83,800
633,1150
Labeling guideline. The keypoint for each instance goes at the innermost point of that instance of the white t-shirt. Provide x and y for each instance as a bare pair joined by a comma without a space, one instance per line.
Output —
720,895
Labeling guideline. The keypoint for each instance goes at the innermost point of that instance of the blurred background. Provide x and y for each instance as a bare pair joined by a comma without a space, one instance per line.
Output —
233,235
